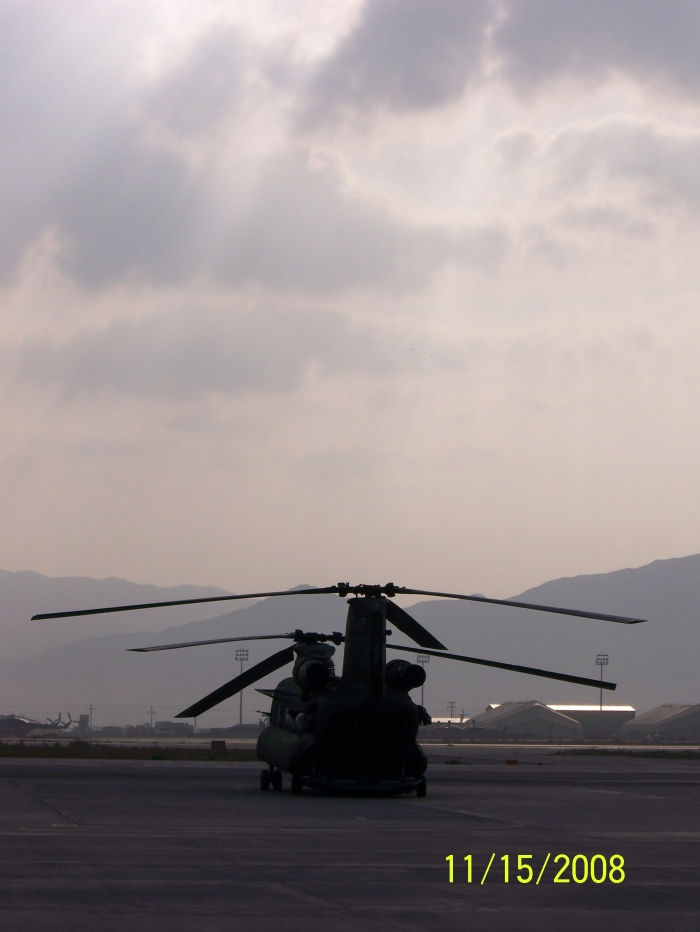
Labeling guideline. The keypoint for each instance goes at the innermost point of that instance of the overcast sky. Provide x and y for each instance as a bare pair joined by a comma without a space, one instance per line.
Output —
300,292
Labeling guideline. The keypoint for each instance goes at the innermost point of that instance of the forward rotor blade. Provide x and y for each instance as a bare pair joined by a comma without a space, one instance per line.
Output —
215,598
620,619
516,668
344,589
253,637
410,627
280,659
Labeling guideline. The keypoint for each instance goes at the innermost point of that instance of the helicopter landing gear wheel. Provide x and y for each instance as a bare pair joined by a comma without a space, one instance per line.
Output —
265,780
276,780
422,789
296,784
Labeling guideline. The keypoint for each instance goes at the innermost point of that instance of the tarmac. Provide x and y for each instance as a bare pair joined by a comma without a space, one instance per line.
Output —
146,846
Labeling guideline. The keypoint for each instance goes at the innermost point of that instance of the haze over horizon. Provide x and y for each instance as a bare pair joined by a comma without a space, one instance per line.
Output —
405,289
72,663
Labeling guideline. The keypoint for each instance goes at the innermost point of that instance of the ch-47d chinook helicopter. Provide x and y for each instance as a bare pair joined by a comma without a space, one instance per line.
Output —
353,733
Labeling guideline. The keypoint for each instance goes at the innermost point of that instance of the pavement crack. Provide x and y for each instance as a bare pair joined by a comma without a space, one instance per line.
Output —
44,802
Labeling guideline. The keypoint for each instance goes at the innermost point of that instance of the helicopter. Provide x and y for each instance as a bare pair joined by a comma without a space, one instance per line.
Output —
353,733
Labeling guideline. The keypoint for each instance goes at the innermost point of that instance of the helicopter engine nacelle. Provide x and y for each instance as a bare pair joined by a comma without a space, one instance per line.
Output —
400,674
312,674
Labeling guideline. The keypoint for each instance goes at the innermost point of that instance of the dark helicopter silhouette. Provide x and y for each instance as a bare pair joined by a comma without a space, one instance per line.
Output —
355,732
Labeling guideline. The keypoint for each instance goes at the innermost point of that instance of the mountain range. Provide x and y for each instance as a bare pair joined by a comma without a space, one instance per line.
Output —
25,594
652,662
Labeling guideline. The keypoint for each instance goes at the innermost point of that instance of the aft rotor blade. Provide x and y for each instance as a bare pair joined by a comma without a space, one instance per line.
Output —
215,598
620,619
410,627
252,637
515,668
278,693
252,675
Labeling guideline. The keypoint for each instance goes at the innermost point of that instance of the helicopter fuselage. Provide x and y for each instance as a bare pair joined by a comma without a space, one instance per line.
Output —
354,733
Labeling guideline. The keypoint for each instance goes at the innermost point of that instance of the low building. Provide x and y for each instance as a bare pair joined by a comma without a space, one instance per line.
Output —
672,721
530,719
138,731
455,720
598,723
110,731
172,730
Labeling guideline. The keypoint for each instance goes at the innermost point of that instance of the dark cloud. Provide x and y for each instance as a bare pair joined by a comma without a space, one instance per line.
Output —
408,55
206,88
130,209
64,72
542,41
302,230
299,229
77,155
137,210
99,158
404,55
664,166
189,355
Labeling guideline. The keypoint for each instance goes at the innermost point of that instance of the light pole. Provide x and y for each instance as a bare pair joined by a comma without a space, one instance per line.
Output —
422,659
452,708
601,661
242,655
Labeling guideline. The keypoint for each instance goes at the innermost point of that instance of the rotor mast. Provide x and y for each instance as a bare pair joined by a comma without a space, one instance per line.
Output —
364,658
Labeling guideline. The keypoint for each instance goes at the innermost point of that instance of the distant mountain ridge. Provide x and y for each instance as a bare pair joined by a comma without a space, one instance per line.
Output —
652,663
25,593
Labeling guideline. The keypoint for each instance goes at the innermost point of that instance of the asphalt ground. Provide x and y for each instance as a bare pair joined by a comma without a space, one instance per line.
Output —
146,846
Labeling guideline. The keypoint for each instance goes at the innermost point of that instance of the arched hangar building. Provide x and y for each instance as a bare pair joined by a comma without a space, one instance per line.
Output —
563,722
672,721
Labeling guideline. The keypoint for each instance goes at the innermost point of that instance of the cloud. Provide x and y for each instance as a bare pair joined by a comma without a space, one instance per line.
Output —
139,211
663,164
64,73
129,209
619,222
544,41
408,56
301,229
404,55
188,355
516,147
105,161
203,90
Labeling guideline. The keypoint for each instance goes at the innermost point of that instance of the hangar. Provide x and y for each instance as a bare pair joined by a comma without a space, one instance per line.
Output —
672,721
528,719
598,723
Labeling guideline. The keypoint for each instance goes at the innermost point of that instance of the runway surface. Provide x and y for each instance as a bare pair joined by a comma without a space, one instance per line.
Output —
197,847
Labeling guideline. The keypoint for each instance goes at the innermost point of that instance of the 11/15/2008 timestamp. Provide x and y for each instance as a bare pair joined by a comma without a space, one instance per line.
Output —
523,868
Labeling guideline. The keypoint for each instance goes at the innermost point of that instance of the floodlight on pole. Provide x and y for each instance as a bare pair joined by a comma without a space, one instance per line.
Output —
422,658
242,656
601,661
